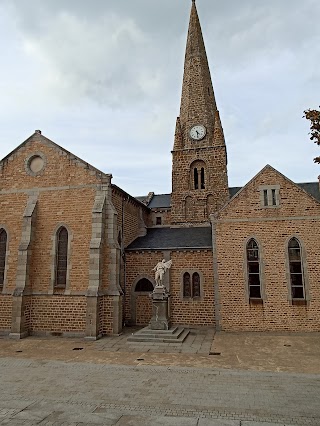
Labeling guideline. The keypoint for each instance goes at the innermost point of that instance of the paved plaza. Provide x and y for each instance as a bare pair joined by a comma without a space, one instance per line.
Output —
110,382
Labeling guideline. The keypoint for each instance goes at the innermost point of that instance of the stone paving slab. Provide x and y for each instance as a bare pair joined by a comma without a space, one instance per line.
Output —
253,378
245,351
55,392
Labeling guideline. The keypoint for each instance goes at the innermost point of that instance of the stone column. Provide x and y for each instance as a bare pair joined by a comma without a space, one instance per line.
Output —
217,305
104,242
19,328
95,265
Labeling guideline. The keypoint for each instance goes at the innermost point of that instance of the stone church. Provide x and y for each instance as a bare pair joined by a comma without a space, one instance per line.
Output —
77,252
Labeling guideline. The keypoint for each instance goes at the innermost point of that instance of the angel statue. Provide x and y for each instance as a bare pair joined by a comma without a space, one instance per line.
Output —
160,269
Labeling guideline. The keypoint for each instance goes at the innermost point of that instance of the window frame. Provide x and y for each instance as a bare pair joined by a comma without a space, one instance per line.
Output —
192,274
53,288
58,268
304,273
262,298
5,263
270,196
198,175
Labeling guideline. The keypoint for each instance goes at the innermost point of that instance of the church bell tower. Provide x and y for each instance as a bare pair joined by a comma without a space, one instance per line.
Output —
199,157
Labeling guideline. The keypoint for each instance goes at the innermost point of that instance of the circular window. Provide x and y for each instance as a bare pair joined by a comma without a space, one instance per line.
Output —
35,164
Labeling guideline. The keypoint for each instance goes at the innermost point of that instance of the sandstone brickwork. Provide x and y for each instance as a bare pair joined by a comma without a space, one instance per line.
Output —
107,275
198,311
297,215
193,202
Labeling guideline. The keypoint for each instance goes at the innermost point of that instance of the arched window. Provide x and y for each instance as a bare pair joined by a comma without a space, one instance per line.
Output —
3,250
253,267
191,285
61,257
196,285
186,285
198,175
144,285
296,270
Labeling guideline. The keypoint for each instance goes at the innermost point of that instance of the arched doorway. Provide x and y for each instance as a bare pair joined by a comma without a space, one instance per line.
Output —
141,301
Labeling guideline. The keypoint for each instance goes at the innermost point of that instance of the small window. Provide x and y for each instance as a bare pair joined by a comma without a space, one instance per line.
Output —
144,285
253,268
196,179
3,250
198,175
270,196
202,178
61,258
186,285
296,270
191,285
158,220
195,285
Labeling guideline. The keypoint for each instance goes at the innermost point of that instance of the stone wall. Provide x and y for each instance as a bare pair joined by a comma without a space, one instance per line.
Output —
58,314
194,206
6,312
131,216
297,215
34,203
183,311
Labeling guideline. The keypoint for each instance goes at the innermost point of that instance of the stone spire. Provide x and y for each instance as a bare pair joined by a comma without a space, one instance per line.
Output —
199,156
198,105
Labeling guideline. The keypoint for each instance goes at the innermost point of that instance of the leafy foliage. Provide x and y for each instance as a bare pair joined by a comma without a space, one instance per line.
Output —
313,116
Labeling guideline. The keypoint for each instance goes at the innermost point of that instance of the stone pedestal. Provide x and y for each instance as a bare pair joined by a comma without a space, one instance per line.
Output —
160,313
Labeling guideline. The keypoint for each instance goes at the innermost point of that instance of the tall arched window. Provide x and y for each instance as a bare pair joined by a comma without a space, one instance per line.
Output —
196,285
186,285
253,268
61,257
3,251
296,270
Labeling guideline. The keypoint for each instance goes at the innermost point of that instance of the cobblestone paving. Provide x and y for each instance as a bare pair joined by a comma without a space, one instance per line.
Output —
70,393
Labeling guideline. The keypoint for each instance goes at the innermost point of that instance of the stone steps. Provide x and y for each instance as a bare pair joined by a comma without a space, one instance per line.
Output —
173,335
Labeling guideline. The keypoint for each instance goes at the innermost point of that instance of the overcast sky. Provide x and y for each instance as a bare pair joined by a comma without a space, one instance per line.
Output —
102,78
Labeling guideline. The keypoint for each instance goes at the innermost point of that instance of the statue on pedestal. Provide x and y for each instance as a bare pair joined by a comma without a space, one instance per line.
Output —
160,314
160,269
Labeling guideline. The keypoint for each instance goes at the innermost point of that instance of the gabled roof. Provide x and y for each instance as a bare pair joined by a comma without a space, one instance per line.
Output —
37,134
308,188
173,239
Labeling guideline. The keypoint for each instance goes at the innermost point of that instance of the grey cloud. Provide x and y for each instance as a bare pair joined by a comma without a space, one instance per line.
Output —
106,65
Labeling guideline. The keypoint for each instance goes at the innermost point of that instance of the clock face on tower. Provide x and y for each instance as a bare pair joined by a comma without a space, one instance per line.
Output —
198,132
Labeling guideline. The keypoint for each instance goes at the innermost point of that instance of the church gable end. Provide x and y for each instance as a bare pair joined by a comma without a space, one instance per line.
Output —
270,194
39,162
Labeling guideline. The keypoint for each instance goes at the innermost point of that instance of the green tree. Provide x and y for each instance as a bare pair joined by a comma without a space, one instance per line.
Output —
313,116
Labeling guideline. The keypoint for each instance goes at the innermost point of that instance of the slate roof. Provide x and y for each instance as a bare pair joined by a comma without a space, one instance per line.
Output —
164,200
159,201
174,238
234,190
312,188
